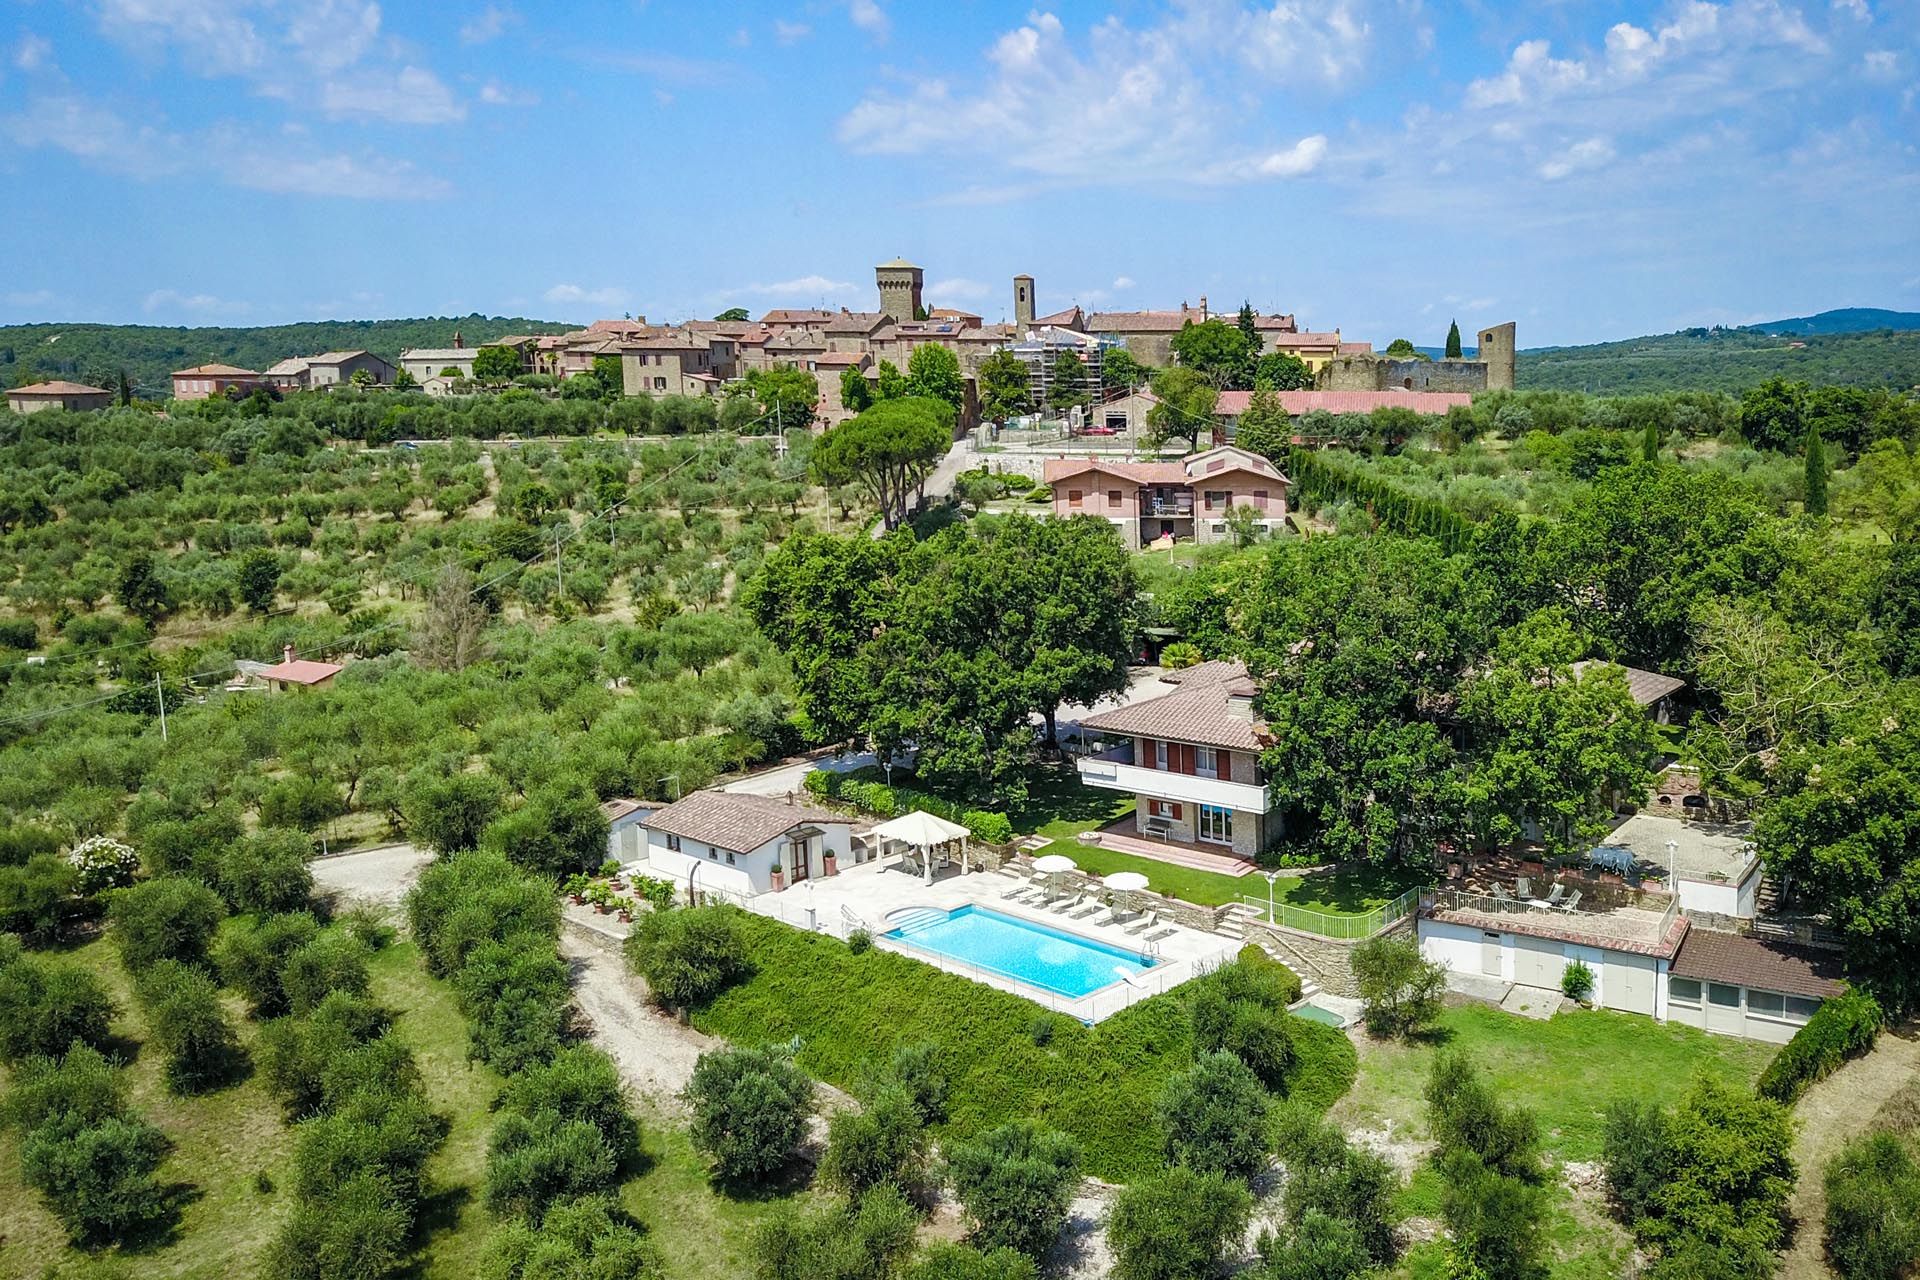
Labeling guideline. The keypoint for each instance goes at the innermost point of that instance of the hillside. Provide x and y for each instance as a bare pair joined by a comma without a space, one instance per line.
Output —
96,353
1843,320
1724,360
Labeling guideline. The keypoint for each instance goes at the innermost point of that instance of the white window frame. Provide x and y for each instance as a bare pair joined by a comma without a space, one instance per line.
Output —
1160,754
1214,824
1206,762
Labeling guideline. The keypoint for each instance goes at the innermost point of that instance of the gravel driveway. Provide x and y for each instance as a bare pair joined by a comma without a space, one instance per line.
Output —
380,876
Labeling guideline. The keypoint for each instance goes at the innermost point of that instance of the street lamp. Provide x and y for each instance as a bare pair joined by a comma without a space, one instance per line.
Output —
1271,876
1673,886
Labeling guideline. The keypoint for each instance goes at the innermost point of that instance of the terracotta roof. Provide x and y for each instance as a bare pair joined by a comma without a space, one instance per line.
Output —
58,388
338,357
1065,319
1054,470
302,671
856,322
1231,404
950,313
797,315
1307,339
840,357
1197,711
666,340
1646,687
618,809
1166,321
1755,962
618,326
1221,459
215,371
1565,927
735,821
1212,671
451,355
1356,348
287,368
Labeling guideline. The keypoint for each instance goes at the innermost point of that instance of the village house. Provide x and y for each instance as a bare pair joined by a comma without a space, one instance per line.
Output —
670,363
422,363
827,369
1184,501
202,381
328,369
73,396
298,673
1191,760
744,844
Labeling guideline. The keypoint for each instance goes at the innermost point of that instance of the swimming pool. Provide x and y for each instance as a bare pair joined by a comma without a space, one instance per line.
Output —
1051,959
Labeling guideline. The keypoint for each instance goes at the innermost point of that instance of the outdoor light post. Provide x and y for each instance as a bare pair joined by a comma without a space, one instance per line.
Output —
1673,886
1271,876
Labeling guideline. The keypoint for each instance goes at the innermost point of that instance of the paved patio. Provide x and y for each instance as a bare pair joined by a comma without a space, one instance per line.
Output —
1120,835
864,896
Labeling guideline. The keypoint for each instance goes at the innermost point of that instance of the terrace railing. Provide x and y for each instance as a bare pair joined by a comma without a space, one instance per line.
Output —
1344,926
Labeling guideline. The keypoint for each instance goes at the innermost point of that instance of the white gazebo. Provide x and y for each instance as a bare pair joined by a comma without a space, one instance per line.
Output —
925,832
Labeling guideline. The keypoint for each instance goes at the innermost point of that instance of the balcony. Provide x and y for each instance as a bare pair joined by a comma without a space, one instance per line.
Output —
1115,771
1174,505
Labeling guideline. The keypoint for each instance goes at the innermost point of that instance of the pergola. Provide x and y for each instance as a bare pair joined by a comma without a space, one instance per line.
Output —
925,832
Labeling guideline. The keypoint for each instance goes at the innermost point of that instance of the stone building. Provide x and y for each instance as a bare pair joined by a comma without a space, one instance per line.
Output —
900,285
57,395
1491,369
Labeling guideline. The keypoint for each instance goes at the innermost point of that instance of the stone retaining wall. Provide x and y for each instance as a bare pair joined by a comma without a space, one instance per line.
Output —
1326,961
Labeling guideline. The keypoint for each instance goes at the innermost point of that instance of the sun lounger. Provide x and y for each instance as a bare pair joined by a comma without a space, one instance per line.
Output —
1522,887
1164,933
1572,902
1018,891
1091,909
1558,892
1067,904
1145,923
1502,898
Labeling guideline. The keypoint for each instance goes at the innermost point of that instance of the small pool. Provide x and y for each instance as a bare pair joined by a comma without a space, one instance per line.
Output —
1314,1013
1051,959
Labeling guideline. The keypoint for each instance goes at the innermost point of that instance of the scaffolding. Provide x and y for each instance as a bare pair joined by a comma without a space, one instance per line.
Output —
1040,350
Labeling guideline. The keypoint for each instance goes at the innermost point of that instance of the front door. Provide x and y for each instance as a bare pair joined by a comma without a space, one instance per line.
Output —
802,857
1216,824
1490,954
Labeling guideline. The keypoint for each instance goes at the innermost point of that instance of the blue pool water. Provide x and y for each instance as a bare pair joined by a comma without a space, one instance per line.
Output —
1051,959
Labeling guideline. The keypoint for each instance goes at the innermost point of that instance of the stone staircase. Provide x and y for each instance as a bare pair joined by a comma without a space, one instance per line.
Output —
1231,920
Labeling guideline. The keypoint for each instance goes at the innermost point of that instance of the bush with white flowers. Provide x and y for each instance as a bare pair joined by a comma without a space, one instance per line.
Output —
103,863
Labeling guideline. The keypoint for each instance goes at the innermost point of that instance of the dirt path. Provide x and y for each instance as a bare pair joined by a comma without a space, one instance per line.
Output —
380,876
1836,1109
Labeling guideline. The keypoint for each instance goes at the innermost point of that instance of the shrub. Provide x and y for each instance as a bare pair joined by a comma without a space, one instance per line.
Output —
267,871
1176,1225
1576,981
1318,1247
97,1178
251,954
473,898
448,814
1730,1170
916,1068
333,961
539,1160
36,896
1327,1175
1841,1028
1637,1158
187,1023
46,1005
360,1231
559,829
1873,1209
1016,1183
657,893
581,1083
962,1262
882,1143
990,828
861,1241
515,995
860,941
1402,991
590,1238
169,918
21,844
750,1109
688,956
1465,1116
1497,1221
296,1054
100,863
1214,1116
390,1134
1254,1033
891,802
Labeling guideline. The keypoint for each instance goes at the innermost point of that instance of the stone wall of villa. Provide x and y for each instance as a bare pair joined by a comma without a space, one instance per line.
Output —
1326,961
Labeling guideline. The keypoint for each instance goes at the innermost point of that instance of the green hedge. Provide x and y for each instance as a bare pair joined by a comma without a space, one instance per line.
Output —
1842,1028
850,1012
891,802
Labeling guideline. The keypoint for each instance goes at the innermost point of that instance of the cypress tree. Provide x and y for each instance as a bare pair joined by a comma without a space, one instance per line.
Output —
1650,443
1816,473
1453,341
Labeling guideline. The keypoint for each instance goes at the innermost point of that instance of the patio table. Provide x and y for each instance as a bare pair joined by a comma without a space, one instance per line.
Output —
1540,903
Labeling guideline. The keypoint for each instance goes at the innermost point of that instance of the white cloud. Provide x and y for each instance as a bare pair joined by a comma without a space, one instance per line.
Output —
487,25
789,32
1880,64
98,135
1120,104
869,17
959,289
34,53
495,94
329,35
1122,283
413,95
1589,153
574,295
173,301
802,290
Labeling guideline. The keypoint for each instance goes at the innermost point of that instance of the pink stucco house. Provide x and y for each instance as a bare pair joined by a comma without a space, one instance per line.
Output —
1186,501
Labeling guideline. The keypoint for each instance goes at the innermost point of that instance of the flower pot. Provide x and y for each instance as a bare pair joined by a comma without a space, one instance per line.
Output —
626,916
617,885
832,866
779,879
576,898
602,908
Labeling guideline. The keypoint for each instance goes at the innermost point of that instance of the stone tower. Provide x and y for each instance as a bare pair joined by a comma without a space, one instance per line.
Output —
1022,304
1496,351
899,283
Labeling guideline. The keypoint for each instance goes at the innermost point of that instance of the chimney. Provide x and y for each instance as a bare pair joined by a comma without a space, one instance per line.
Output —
1183,308
1240,699
286,653
1203,308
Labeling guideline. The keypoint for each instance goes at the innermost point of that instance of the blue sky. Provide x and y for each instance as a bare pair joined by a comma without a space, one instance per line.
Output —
1590,170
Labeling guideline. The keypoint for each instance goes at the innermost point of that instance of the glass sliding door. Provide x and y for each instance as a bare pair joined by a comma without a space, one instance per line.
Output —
1216,824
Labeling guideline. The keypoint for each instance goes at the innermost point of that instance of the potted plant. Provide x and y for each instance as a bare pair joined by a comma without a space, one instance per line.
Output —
610,868
626,910
602,899
779,879
831,864
576,888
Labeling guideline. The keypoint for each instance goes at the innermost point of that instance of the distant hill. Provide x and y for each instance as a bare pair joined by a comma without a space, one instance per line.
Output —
1845,320
96,353
1726,360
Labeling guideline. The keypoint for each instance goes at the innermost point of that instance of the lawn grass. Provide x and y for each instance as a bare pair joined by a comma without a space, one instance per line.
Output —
1099,1083
1567,1069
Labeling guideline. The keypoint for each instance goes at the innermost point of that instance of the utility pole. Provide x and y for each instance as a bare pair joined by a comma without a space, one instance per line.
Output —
160,696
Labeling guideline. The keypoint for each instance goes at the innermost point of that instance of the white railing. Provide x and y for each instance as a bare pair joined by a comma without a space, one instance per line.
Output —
1328,924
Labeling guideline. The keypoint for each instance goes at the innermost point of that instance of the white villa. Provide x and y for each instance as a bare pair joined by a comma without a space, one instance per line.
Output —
744,844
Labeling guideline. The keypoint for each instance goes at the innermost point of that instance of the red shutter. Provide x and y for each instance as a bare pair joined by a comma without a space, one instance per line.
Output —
1223,764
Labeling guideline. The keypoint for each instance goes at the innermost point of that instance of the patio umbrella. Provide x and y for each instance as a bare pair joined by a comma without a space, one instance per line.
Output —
1054,864
1125,881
